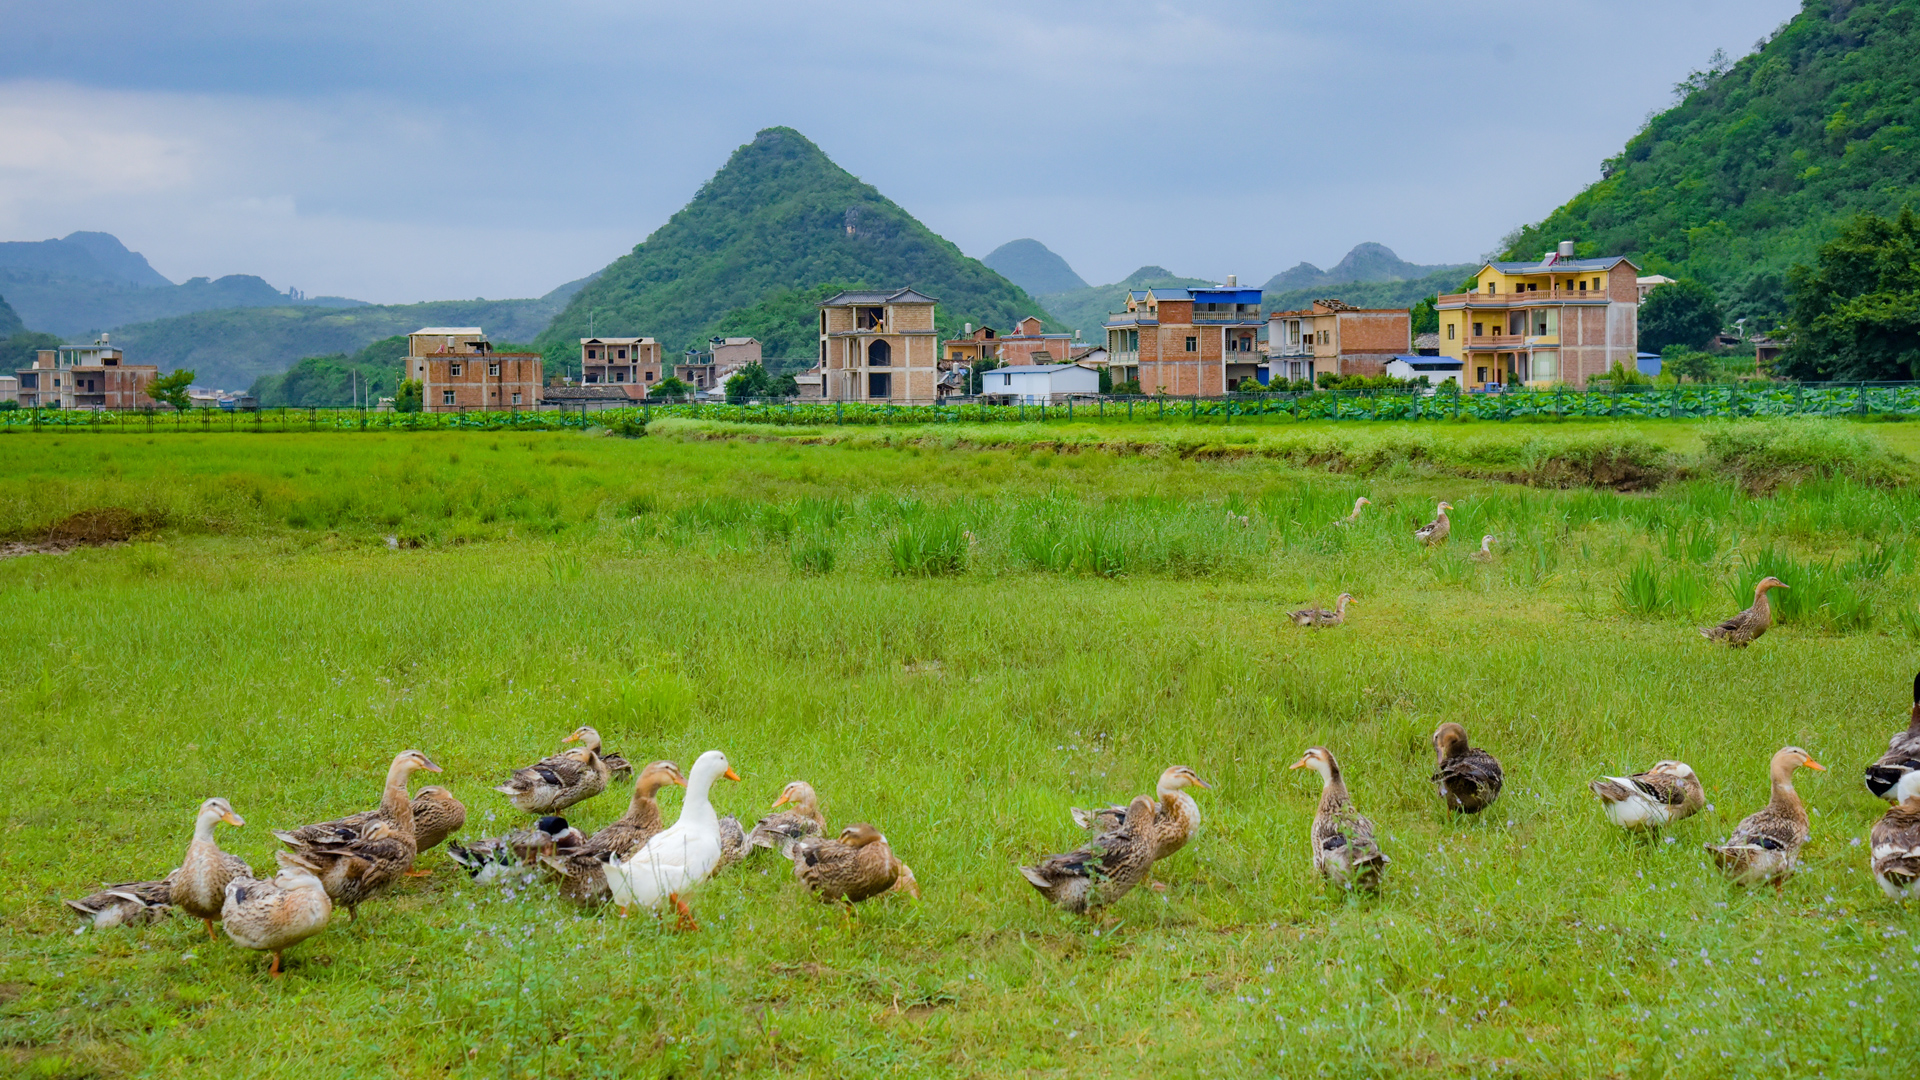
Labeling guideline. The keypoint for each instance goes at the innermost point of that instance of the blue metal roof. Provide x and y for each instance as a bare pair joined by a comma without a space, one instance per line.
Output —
1169,294
1226,296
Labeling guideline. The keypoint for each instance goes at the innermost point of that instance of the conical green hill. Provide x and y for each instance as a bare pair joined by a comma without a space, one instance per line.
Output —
779,217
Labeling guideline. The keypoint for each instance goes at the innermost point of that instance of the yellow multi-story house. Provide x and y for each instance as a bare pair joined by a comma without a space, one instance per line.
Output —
1559,320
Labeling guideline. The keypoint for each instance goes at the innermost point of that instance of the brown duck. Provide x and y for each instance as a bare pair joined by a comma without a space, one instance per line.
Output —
1435,531
1894,843
1651,800
857,865
1745,628
436,816
1175,820
200,884
552,784
1765,847
359,856
1313,616
782,830
1104,870
1344,851
133,903
1902,756
583,872
1468,778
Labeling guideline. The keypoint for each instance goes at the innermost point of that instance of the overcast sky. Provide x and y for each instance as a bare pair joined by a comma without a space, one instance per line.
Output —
409,151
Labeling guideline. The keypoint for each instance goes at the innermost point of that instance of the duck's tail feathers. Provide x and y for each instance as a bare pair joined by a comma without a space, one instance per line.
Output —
1035,878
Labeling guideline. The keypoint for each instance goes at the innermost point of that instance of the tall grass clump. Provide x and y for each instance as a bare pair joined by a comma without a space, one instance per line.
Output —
930,542
1817,591
1763,455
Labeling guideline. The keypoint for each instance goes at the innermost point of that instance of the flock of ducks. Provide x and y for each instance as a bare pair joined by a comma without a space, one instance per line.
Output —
638,861
1738,632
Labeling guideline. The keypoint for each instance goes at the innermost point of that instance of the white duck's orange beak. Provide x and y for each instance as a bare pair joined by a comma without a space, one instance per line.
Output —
730,774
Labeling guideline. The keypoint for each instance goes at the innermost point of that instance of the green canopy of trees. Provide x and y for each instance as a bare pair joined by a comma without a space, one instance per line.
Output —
1856,310
1684,313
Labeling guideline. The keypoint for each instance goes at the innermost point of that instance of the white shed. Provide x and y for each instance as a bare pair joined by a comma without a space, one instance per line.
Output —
1437,369
1041,384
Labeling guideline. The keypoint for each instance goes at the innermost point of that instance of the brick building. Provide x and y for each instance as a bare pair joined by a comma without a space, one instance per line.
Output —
1334,337
459,371
722,358
1029,339
1559,320
879,346
632,363
94,376
1186,341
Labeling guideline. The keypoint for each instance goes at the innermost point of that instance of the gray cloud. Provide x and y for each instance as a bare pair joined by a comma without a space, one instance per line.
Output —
420,151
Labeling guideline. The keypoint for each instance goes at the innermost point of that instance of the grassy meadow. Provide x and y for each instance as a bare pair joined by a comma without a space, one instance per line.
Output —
957,634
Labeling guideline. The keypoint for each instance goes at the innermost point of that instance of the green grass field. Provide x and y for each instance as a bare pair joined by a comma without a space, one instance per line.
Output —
957,635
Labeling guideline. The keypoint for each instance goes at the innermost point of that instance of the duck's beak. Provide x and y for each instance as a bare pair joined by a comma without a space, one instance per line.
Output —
783,800
233,819
575,737
430,766
1203,783
730,774
1301,764
681,781
1815,766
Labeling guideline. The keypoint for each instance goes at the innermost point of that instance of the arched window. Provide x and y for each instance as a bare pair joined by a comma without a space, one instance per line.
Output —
879,354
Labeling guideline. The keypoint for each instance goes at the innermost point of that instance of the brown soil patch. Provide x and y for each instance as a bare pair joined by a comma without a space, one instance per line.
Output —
99,525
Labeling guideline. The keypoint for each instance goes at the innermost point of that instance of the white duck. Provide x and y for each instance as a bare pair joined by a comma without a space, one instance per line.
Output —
675,862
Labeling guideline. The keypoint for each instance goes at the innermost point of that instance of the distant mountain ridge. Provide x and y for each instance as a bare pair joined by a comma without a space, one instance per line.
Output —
1030,265
779,215
88,282
1366,262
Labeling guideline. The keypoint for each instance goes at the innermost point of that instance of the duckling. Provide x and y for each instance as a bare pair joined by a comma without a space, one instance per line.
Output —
1435,531
553,784
1662,795
1902,756
358,857
274,916
1468,778
495,858
1103,870
134,903
780,831
1894,844
436,816
1176,818
1485,554
1344,851
1745,628
1354,517
1764,847
856,866
583,872
1318,617
200,885
589,738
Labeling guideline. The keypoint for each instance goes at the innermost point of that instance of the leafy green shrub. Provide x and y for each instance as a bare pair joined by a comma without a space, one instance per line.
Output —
812,553
930,543
1639,593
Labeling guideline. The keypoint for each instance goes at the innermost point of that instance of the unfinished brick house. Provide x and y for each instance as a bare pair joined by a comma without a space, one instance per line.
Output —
1334,337
1559,320
632,363
879,345
1186,341
94,376
459,371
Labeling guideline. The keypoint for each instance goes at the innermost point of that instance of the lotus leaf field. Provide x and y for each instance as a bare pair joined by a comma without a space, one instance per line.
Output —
956,630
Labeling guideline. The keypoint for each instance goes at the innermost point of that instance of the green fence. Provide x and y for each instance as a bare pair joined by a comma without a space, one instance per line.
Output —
1691,401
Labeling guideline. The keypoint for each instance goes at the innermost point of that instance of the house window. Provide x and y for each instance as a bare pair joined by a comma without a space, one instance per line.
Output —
453,368
516,399
1596,283
623,354
879,384
879,354
867,318
619,376
1516,323
649,376
1479,329
1480,375
1193,344
1326,337
593,354
1492,287
1533,286
446,397
1583,284
1449,331
493,370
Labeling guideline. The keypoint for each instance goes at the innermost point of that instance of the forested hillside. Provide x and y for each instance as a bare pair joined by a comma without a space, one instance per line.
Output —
1763,159
779,216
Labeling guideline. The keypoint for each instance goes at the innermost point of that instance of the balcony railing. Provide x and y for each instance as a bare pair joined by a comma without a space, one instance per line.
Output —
1519,299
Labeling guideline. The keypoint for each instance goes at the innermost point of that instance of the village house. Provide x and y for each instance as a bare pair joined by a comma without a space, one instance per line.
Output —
631,363
1332,337
458,370
879,345
1031,344
94,376
1186,341
1039,384
709,369
1559,320
970,348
